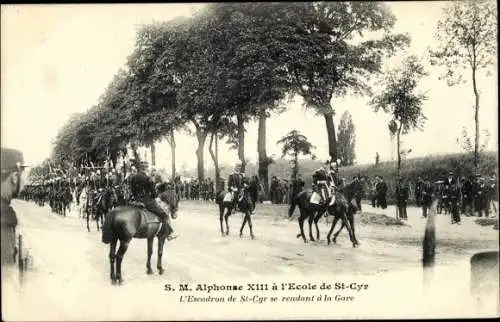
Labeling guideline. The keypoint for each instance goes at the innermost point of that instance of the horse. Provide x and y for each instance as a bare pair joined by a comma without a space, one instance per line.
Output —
124,223
340,209
349,191
82,202
244,204
100,204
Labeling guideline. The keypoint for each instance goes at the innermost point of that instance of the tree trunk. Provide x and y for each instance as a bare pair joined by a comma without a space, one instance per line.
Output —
332,141
153,154
398,138
214,155
171,141
261,148
241,141
476,119
201,136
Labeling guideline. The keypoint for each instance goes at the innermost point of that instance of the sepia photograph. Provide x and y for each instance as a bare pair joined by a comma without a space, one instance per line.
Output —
249,161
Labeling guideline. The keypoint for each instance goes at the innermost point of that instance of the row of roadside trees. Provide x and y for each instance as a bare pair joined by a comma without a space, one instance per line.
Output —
231,63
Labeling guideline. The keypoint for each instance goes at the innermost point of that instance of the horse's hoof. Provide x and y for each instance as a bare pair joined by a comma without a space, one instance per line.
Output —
120,281
241,235
161,271
150,271
227,233
113,281
299,235
253,237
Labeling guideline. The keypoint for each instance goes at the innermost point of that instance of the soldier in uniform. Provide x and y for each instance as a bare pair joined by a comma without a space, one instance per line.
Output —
12,166
467,197
402,195
452,190
235,184
142,189
427,194
418,190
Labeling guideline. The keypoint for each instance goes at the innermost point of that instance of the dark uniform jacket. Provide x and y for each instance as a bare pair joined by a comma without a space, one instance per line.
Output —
141,186
8,234
235,180
451,189
402,193
427,191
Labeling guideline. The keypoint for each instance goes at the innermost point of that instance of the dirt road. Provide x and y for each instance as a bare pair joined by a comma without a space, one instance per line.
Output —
69,277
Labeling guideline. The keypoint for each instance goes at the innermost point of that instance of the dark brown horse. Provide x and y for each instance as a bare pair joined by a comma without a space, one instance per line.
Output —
244,203
126,222
341,209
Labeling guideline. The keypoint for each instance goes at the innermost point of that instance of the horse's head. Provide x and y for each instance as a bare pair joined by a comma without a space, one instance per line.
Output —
170,197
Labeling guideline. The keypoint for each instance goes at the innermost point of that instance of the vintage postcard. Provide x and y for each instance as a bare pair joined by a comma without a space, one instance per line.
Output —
238,161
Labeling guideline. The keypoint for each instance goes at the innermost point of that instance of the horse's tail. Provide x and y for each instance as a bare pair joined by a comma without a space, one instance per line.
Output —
107,227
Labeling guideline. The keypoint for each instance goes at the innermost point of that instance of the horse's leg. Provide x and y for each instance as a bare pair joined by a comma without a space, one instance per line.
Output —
88,215
221,219
97,219
245,219
226,216
150,252
302,218
119,258
161,243
351,222
112,257
347,223
338,231
316,219
247,214
334,223
310,221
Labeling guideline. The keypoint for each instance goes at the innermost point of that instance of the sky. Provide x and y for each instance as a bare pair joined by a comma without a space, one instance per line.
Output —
57,60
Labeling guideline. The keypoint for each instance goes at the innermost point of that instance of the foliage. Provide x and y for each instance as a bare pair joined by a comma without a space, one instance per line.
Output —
399,97
294,144
467,36
346,140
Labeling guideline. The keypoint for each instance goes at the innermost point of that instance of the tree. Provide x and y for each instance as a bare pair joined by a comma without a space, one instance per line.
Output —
468,40
346,140
249,62
326,59
293,144
377,158
400,98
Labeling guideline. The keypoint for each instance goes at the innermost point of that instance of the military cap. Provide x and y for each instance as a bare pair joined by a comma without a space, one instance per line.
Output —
12,160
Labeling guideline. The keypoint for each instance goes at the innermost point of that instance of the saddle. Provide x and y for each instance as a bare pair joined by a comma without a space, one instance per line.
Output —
146,218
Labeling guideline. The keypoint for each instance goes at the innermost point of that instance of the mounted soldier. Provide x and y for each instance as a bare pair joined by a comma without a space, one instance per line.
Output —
142,190
326,181
235,184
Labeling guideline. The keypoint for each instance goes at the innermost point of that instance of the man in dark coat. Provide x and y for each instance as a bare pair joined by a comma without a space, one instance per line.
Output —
418,190
235,184
452,191
142,189
12,166
467,196
427,194
382,193
402,195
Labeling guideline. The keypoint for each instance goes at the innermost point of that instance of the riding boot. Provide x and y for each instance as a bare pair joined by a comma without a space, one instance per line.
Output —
170,231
